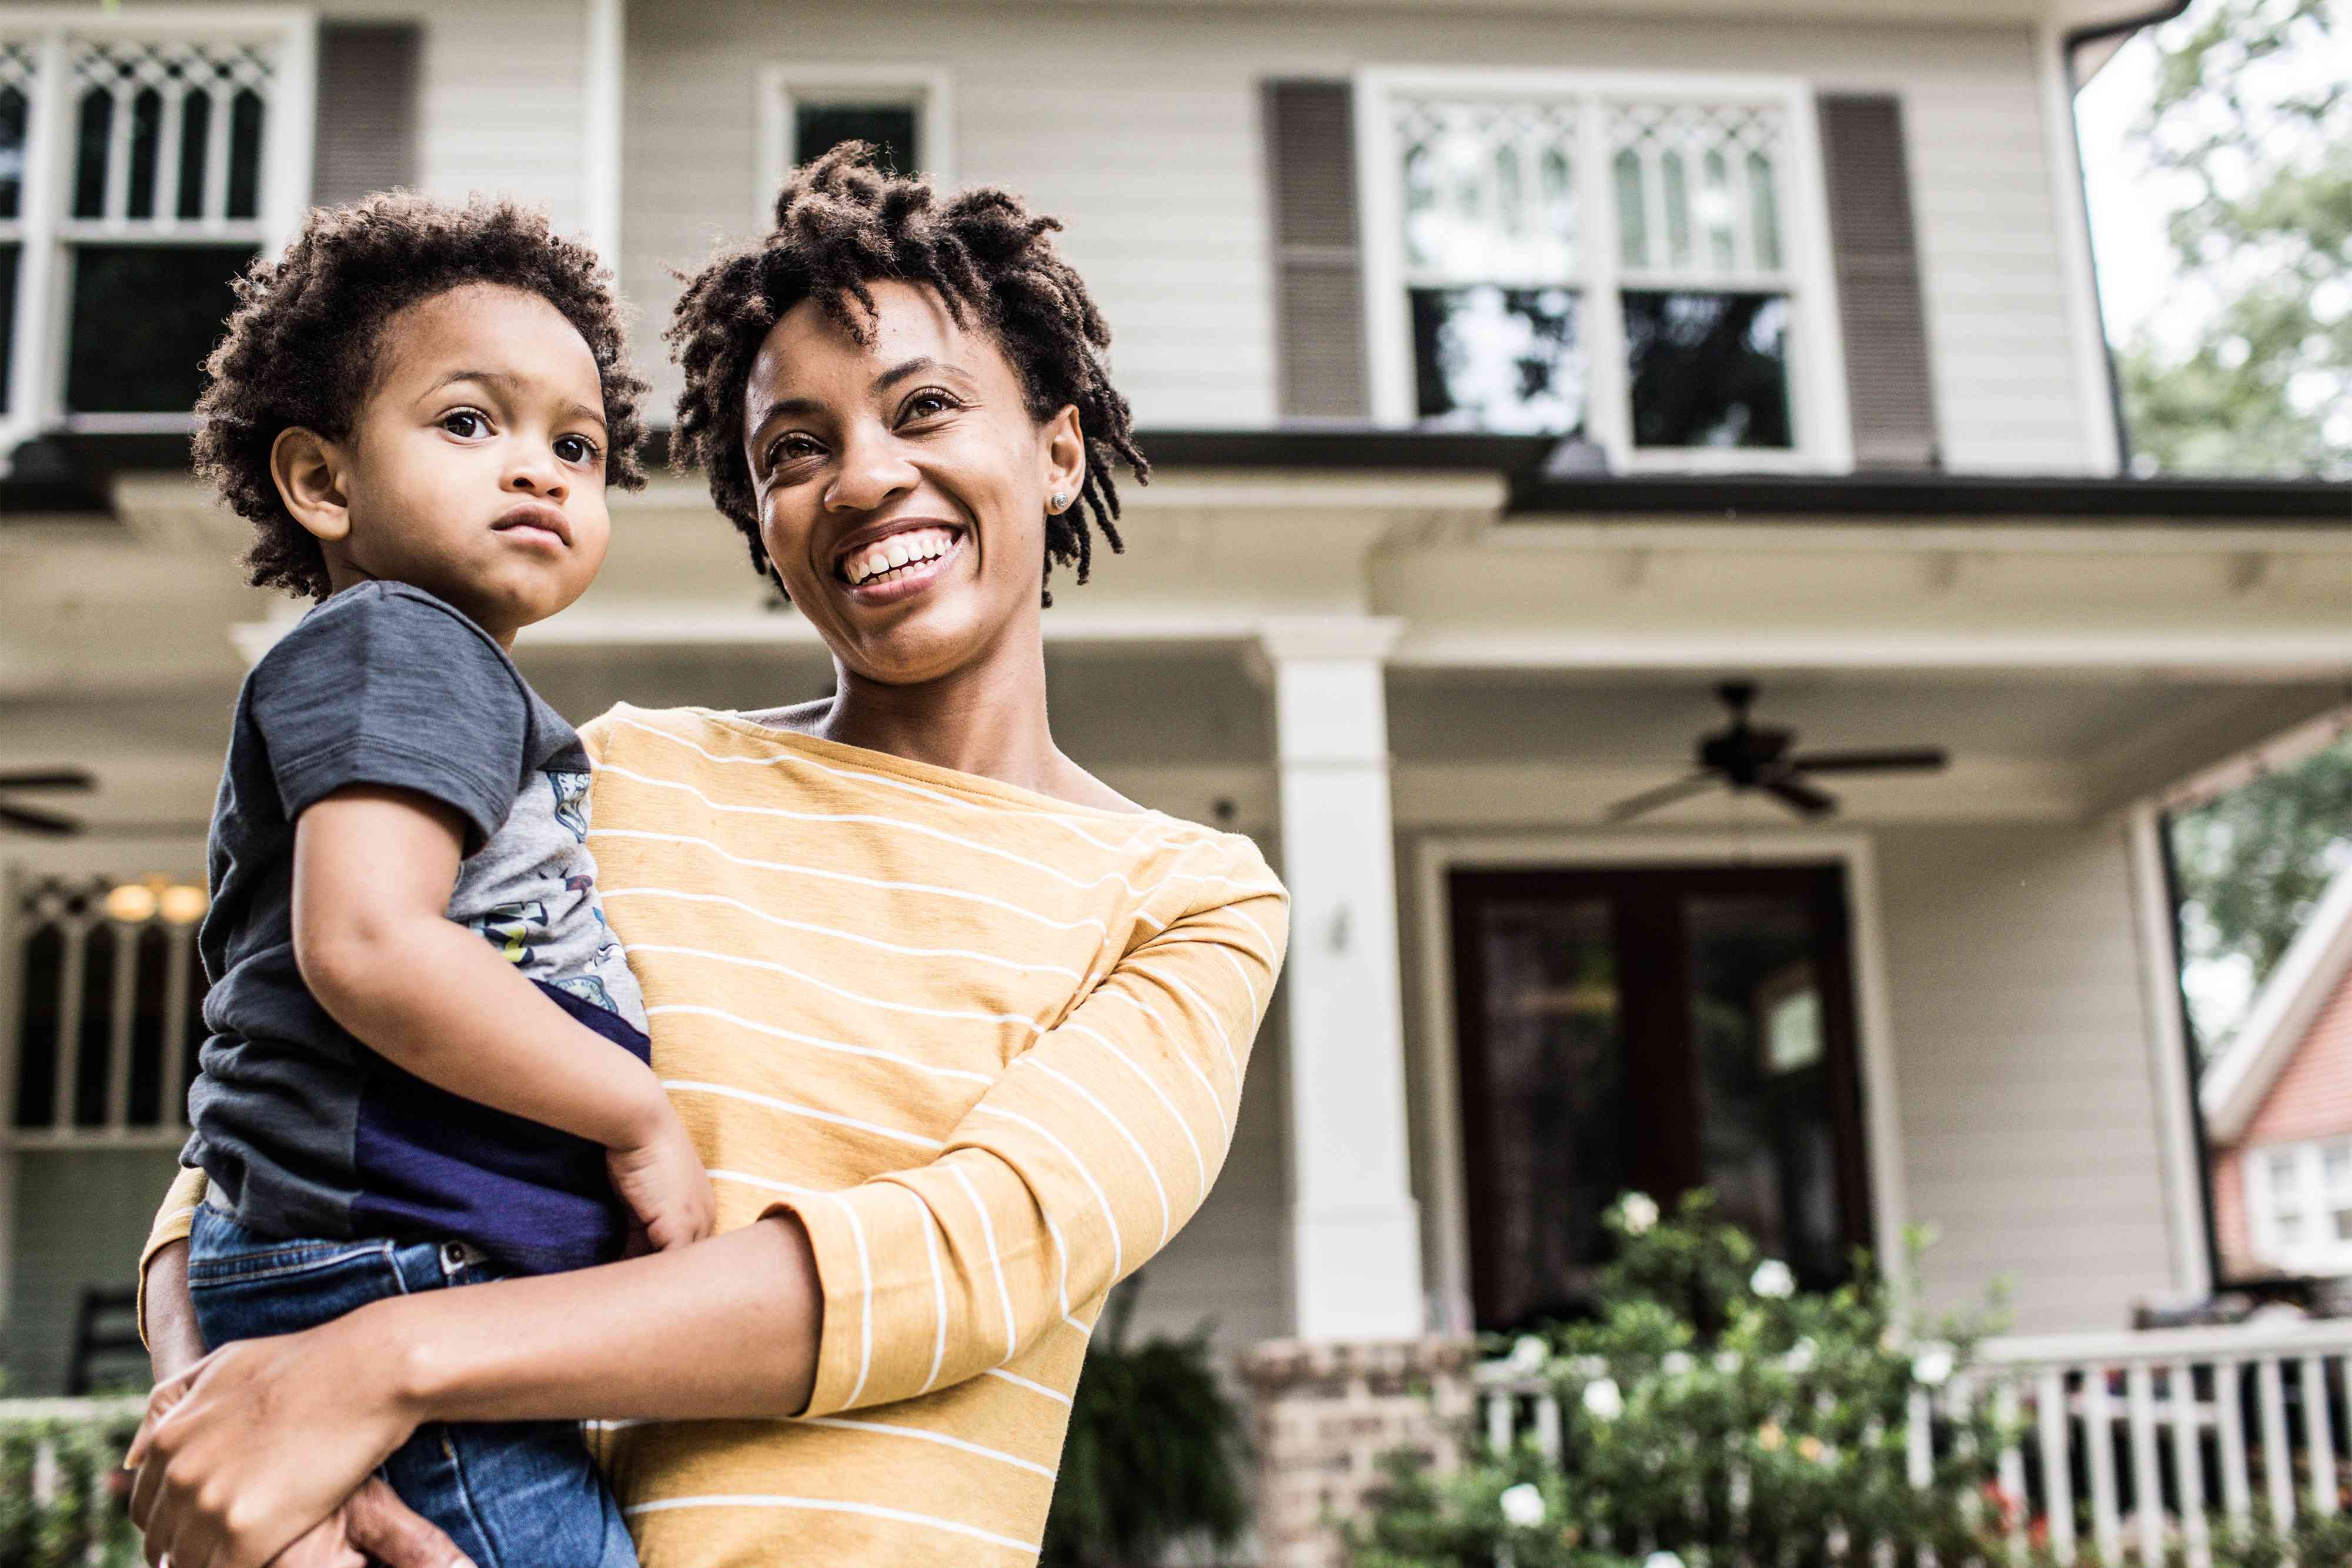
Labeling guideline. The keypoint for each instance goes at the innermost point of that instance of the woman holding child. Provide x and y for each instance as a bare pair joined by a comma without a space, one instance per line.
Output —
958,1032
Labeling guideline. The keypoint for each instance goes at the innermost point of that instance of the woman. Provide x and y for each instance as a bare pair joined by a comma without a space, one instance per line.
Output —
959,1031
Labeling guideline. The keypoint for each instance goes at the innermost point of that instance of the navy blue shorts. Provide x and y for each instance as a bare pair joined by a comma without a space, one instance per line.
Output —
511,1494
433,1164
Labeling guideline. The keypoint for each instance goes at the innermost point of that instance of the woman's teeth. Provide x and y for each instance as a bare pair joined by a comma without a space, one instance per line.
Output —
886,560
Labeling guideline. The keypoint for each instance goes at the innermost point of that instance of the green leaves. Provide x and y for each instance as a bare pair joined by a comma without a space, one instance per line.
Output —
2255,131
1710,1414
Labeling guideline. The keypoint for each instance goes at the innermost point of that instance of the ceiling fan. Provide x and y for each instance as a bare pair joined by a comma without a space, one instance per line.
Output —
27,818
1758,757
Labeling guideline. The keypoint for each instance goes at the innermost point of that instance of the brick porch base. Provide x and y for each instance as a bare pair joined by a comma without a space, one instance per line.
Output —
1322,1417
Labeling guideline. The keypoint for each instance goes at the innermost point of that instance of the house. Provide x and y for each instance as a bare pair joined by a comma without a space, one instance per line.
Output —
2278,1110
1518,373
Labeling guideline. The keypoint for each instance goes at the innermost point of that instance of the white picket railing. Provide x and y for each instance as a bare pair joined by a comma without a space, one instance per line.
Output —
2156,1431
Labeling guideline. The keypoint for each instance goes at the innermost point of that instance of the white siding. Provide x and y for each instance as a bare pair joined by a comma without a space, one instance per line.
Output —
1139,128
2030,1122
502,111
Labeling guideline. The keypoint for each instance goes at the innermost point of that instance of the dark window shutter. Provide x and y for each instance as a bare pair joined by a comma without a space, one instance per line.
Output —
1319,296
1887,379
367,110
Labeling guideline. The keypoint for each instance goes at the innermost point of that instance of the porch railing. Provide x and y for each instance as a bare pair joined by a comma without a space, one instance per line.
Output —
2162,1435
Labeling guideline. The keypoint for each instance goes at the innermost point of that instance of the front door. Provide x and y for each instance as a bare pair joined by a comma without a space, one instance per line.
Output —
1653,1030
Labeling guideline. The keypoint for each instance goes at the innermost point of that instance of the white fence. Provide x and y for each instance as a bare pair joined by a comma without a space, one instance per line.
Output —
2157,1434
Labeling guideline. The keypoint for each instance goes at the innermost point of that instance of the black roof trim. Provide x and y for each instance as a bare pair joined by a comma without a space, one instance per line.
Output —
68,473
1929,496
1346,446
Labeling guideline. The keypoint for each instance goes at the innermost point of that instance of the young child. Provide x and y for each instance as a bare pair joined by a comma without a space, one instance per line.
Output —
427,1064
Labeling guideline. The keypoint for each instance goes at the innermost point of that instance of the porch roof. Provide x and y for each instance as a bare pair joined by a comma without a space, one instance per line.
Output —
70,473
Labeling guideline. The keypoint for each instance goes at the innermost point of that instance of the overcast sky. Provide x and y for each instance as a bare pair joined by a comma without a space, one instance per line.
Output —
2126,229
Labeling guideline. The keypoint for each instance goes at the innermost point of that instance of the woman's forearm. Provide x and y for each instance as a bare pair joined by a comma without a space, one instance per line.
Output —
727,1327
174,1341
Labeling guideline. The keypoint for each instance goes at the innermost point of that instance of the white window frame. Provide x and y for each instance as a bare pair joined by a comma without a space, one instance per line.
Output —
48,230
2320,1252
1821,440
785,88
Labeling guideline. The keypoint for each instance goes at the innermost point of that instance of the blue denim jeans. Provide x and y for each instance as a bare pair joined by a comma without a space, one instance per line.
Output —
511,1494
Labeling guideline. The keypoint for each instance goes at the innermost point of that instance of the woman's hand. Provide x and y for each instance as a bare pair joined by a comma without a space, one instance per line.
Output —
247,1452
372,1525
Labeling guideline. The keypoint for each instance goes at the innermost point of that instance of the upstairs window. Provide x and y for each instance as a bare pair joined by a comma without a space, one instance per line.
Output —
808,110
143,166
1629,261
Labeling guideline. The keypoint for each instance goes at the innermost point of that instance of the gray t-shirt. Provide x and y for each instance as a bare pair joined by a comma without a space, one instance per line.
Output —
304,1130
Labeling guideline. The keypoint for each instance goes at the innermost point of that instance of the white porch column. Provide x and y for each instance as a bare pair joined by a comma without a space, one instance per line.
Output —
1355,1236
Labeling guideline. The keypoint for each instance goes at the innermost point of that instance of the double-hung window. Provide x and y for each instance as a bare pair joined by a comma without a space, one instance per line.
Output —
2299,1205
1637,261
146,157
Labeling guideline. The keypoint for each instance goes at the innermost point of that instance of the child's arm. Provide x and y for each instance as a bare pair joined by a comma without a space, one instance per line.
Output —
373,870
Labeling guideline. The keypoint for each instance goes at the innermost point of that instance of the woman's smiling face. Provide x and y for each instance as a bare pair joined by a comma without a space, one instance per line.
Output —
902,485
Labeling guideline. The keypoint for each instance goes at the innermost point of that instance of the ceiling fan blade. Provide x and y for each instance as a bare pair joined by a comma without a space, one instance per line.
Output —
24,819
60,778
1664,795
1898,760
1800,795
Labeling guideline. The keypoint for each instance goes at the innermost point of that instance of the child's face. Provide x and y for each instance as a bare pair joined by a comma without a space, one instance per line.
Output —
475,469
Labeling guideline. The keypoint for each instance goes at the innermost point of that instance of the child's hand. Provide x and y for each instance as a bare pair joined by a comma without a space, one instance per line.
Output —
664,1184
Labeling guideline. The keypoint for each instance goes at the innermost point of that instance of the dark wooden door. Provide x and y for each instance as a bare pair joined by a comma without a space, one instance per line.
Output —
1652,1029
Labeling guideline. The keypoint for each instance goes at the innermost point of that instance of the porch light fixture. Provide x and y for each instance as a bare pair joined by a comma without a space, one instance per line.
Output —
136,902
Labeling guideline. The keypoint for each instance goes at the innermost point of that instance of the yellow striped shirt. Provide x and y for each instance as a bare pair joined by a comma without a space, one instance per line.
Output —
988,1047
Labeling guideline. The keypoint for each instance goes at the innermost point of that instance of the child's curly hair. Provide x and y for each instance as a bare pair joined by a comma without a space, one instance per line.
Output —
301,349
842,225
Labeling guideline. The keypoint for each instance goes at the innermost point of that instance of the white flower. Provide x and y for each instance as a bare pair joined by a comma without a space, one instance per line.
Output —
1638,1213
1801,1357
1932,1365
1523,1505
1528,1353
1675,1362
1603,1399
1662,1559
1773,1280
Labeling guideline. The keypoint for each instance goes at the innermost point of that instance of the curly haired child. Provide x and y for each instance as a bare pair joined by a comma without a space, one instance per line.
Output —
426,1065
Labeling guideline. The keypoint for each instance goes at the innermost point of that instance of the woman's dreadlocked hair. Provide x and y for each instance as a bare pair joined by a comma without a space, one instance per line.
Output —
843,224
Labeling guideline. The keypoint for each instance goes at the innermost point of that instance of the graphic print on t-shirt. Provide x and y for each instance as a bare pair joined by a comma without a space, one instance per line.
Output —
570,801
511,927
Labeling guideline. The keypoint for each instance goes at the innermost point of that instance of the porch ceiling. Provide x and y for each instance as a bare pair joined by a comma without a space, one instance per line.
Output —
2041,745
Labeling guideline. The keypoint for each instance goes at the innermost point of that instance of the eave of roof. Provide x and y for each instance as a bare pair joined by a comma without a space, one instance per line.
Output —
69,472
2233,1088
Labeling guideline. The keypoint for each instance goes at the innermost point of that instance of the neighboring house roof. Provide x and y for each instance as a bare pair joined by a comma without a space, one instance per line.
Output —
2282,1014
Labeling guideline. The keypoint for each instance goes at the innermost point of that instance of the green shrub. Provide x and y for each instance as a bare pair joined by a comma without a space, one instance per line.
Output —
81,1519
1714,1413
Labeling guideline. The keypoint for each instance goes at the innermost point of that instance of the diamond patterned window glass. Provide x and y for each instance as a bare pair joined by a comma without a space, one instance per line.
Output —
1698,187
167,131
1489,191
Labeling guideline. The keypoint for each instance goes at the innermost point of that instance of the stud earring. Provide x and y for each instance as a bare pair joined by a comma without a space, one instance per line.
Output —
1061,500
